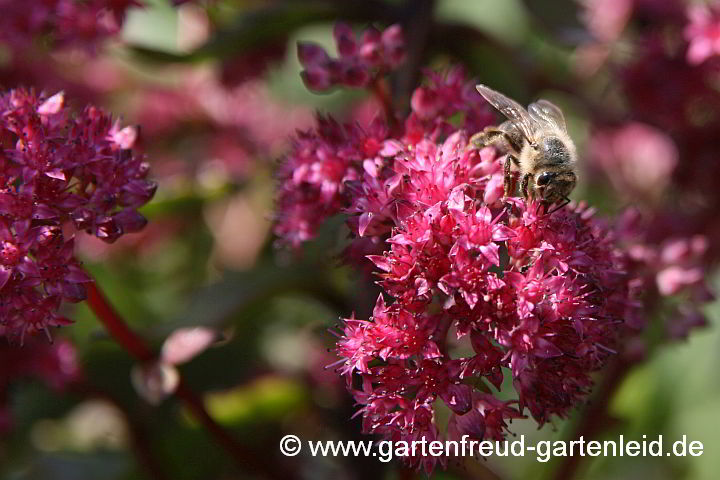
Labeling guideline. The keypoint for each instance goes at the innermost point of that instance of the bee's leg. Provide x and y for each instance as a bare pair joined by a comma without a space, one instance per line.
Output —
560,205
525,184
509,180
487,137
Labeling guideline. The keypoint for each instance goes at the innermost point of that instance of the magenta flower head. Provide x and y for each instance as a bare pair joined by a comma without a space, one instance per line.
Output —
476,288
541,297
313,180
338,168
67,22
703,32
360,59
637,158
59,172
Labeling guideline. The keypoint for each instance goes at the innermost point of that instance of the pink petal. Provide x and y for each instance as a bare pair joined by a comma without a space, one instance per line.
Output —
52,105
186,343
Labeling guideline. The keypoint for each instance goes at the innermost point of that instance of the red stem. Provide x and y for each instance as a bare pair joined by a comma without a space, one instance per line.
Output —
116,326
139,349
406,473
378,88
595,418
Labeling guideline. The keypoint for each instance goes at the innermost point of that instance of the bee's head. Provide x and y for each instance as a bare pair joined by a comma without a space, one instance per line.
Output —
552,187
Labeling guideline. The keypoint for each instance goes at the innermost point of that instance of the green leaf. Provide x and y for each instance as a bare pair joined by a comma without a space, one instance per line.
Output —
266,399
560,18
271,24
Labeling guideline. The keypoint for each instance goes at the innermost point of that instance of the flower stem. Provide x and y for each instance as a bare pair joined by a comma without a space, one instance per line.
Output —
417,22
595,418
116,326
379,89
139,349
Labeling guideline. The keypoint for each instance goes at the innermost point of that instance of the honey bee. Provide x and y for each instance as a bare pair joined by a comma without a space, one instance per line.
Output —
538,145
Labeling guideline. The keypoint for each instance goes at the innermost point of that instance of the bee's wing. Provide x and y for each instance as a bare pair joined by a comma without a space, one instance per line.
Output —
548,114
514,112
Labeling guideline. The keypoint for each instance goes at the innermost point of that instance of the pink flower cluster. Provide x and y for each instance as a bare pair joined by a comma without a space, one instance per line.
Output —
480,287
360,59
544,296
330,166
59,172
81,23
313,179
664,158
638,159
445,95
671,274
231,126
703,32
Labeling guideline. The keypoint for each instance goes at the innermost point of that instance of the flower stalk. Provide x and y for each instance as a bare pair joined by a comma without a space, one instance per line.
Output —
379,89
140,350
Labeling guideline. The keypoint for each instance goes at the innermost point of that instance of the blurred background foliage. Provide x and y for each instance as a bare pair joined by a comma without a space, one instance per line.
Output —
207,257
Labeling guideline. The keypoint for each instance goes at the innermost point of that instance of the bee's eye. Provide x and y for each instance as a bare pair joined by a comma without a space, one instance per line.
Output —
544,178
